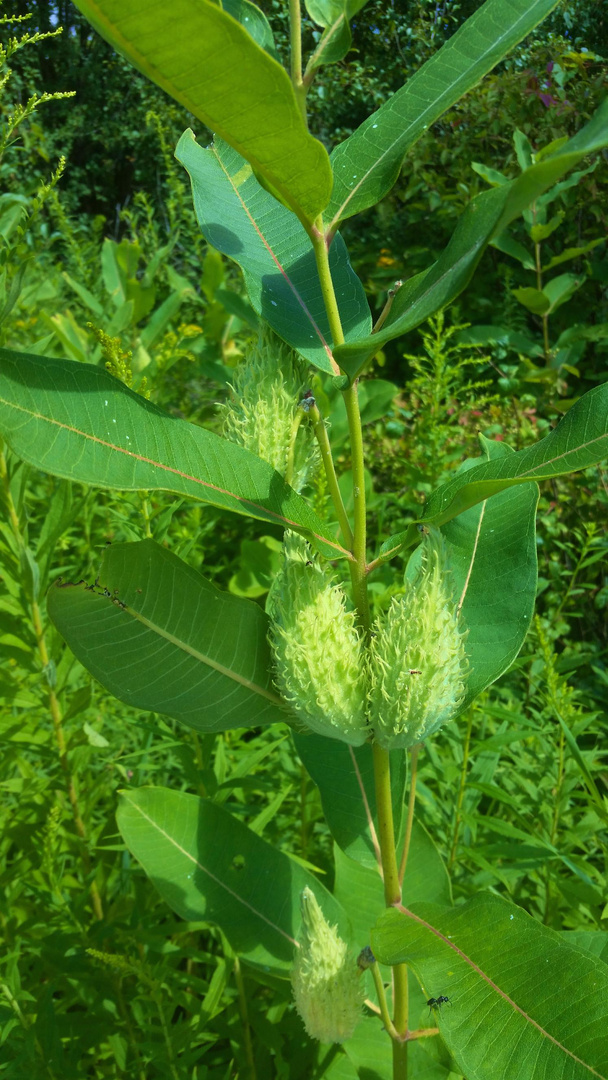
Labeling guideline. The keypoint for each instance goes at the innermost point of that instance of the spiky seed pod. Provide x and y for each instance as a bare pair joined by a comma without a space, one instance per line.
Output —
264,415
317,650
418,665
328,986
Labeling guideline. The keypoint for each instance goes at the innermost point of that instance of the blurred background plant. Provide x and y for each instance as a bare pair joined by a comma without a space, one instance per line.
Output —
102,263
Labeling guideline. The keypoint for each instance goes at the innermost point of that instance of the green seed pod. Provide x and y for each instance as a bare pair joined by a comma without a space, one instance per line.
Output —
328,985
265,416
418,664
317,650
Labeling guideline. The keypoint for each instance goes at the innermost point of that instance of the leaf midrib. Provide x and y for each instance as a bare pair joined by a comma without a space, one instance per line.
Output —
170,469
209,873
494,986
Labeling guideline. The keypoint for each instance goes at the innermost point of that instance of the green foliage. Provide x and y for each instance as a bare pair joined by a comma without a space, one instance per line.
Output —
226,819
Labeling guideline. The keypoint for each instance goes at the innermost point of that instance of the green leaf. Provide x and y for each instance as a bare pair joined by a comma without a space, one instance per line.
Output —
509,246
208,866
208,62
178,646
492,552
542,232
367,164
345,778
523,1004
579,441
534,300
360,890
253,20
573,253
77,421
239,218
486,216
560,289
523,149
491,176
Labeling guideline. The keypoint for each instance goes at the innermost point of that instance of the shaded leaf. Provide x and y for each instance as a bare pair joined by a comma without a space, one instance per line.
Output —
238,217
345,778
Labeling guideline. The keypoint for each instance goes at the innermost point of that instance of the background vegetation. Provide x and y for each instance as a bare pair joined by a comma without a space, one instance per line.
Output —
105,264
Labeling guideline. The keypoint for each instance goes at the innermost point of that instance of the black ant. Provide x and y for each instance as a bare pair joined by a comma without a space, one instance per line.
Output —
436,1003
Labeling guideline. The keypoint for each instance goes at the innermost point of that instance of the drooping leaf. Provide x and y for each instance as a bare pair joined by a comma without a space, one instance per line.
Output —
522,1003
579,441
208,866
366,165
78,422
239,218
345,778
208,62
160,637
486,216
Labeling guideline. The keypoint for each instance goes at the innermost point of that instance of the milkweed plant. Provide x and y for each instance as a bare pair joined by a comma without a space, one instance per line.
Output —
360,693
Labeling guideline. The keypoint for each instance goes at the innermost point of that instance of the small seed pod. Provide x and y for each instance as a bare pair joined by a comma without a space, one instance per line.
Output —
328,986
418,664
264,414
317,650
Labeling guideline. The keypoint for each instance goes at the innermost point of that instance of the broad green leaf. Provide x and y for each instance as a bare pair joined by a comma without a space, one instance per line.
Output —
237,216
492,553
523,1004
579,441
78,422
345,778
208,866
367,164
178,646
360,890
208,62
594,942
486,216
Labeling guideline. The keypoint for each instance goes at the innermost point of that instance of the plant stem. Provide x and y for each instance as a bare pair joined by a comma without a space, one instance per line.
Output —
53,700
295,44
322,438
410,810
248,1047
461,789
382,1002
539,286
386,829
327,286
358,570
291,452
